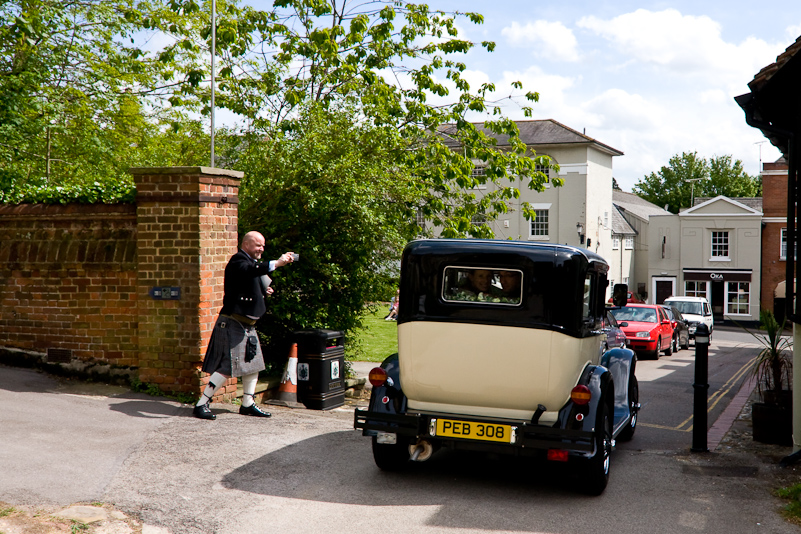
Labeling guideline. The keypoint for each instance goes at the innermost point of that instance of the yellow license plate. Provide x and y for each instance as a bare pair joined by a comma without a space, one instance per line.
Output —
473,430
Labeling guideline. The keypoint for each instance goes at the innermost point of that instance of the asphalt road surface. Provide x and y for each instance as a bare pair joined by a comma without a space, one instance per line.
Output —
307,471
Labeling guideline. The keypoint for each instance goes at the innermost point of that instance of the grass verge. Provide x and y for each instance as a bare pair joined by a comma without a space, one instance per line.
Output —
792,510
379,339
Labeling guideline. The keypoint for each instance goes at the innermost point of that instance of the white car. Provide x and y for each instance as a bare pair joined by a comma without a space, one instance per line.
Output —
696,310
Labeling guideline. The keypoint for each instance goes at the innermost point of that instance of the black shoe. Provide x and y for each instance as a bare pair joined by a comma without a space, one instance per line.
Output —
253,410
204,412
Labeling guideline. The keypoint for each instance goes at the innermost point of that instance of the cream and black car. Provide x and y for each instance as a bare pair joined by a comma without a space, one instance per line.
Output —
501,349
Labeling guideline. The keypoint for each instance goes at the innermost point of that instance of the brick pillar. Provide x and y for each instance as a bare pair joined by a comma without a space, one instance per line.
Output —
186,231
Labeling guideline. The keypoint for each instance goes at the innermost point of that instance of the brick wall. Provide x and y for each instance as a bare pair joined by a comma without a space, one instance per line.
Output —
81,277
774,205
68,280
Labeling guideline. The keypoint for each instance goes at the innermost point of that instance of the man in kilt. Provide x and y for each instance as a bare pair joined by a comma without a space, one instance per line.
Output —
234,348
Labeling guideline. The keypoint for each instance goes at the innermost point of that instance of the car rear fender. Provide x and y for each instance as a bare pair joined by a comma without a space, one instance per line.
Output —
388,398
583,417
622,364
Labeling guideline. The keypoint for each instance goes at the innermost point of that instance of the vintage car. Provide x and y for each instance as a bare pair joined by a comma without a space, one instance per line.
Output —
501,349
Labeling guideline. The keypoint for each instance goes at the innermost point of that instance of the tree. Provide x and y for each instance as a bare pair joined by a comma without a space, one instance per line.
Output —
395,66
324,190
688,176
79,101
356,121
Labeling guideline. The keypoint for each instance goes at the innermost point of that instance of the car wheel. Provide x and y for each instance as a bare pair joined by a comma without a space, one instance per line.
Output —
669,350
598,464
634,398
676,346
390,457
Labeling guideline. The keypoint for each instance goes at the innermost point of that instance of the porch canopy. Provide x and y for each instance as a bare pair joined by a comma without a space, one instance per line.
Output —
774,106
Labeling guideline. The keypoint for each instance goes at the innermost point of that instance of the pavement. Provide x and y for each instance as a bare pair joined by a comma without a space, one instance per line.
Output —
70,448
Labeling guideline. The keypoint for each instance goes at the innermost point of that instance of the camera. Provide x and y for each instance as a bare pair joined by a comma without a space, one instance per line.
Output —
295,257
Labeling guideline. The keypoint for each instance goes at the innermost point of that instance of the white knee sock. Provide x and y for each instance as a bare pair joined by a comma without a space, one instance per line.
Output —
249,388
216,381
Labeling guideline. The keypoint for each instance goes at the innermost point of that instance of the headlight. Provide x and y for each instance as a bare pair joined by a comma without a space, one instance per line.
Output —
643,334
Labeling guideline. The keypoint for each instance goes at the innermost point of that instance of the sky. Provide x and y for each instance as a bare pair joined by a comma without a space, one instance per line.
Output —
652,79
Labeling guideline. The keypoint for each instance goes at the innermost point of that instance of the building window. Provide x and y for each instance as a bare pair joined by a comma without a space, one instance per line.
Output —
720,245
783,252
544,169
629,242
738,296
420,219
695,289
539,226
615,242
479,219
479,174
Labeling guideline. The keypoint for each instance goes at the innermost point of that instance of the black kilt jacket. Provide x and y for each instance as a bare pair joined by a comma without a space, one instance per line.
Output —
243,293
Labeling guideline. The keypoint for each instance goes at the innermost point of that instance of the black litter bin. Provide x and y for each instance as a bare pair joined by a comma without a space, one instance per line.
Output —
321,368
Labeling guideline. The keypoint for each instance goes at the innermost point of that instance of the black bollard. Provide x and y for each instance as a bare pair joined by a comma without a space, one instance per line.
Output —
700,387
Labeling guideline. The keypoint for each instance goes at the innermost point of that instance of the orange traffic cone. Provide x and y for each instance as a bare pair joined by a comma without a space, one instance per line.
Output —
288,391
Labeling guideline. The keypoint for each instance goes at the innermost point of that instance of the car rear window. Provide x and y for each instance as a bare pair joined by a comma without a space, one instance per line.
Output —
643,315
481,285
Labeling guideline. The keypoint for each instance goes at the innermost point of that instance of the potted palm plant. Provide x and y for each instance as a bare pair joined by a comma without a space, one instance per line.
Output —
772,416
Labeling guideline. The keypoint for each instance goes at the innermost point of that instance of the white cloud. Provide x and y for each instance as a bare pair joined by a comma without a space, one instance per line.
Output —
551,40
617,109
792,32
681,45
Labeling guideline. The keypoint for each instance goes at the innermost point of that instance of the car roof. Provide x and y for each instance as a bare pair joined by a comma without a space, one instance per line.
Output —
640,305
686,299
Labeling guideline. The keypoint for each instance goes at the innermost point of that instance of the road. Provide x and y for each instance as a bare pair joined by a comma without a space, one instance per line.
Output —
666,388
307,471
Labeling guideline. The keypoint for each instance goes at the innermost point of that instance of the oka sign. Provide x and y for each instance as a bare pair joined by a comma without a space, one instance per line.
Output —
715,276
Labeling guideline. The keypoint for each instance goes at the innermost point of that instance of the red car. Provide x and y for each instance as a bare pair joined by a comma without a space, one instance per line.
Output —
631,297
648,329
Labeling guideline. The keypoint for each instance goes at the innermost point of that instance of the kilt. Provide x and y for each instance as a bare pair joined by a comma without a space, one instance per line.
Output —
228,347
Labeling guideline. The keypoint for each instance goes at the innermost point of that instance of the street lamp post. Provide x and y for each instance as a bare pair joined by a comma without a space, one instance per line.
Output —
213,53
692,189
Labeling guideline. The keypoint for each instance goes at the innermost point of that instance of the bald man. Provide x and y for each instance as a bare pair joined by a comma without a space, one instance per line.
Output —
234,348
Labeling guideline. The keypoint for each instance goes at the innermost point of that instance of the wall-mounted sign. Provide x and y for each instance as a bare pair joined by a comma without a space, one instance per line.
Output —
717,275
165,293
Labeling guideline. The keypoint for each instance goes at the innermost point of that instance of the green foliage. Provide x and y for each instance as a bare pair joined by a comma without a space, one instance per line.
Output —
7,511
325,190
773,365
357,121
689,176
395,67
792,510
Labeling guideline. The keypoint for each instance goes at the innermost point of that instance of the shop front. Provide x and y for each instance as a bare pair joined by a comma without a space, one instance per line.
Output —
729,292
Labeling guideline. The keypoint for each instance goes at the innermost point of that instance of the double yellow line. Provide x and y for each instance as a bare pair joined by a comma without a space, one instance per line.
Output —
713,400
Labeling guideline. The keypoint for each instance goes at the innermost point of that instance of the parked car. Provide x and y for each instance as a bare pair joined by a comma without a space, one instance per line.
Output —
696,310
631,297
615,337
648,331
681,328
499,351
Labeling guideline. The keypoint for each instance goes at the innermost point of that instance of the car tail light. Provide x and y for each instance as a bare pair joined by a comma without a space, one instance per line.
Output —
581,395
377,376
557,455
